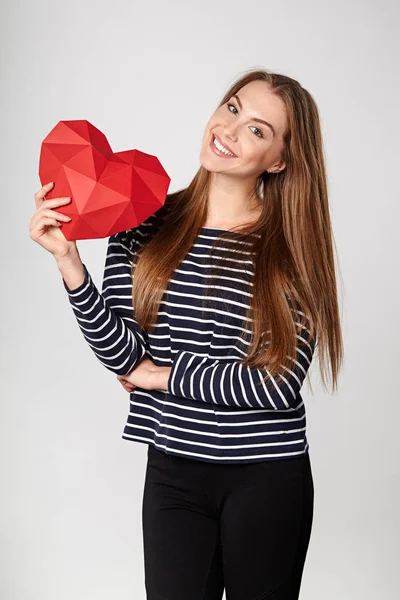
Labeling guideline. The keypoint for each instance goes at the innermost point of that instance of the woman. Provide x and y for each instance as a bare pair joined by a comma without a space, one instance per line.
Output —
209,315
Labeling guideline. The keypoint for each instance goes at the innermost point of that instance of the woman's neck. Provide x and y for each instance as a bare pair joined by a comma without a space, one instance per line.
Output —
231,202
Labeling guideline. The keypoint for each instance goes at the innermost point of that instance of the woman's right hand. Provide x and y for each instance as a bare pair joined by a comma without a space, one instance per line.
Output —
45,224
127,385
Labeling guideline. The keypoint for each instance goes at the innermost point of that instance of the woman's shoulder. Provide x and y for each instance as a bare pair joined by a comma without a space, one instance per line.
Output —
136,236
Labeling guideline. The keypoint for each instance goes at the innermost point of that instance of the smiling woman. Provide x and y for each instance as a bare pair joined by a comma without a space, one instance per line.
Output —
247,132
232,132
210,314
262,173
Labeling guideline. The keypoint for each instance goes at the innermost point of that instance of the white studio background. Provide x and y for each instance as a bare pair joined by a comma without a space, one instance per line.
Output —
149,75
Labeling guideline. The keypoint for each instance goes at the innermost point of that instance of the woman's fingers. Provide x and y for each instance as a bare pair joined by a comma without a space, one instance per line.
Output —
40,195
52,213
41,202
129,387
55,202
39,219
46,222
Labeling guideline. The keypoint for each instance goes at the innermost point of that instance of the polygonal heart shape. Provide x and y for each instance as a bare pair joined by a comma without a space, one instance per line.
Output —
109,192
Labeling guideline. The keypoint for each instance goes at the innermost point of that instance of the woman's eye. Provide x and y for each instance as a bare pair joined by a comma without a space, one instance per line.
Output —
259,134
256,128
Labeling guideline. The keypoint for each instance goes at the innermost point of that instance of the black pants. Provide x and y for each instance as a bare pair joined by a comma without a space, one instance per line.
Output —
209,526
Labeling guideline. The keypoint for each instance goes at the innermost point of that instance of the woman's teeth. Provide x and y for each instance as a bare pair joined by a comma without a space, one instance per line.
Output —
221,148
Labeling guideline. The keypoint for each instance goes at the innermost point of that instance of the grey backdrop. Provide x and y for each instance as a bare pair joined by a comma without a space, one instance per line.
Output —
149,75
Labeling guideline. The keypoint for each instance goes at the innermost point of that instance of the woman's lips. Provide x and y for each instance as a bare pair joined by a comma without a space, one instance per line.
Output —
218,152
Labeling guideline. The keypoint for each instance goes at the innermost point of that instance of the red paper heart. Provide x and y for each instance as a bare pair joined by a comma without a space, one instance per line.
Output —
110,192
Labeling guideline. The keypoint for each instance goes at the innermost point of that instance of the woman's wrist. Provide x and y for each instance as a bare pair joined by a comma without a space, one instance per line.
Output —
158,378
72,270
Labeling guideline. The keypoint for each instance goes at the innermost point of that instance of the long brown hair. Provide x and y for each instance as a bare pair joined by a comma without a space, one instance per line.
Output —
294,285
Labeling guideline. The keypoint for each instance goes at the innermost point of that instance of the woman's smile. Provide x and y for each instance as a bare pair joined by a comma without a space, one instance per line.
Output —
219,149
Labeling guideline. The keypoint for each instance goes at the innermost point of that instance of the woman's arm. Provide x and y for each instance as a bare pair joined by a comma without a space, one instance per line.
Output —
72,270
107,320
231,384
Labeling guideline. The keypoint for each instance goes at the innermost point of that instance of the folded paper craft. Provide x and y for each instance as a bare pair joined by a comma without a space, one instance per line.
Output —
110,192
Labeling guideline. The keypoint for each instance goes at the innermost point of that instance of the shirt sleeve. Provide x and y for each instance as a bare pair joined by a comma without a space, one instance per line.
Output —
230,383
107,320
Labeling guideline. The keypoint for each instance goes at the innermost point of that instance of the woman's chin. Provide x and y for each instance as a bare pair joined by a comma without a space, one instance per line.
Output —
211,163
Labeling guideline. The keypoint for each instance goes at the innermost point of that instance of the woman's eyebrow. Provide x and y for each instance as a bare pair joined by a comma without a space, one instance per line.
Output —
254,118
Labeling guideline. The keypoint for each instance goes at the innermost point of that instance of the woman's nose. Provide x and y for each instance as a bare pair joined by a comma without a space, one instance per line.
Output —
231,131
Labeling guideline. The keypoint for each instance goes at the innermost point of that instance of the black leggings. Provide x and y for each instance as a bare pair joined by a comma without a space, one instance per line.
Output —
209,526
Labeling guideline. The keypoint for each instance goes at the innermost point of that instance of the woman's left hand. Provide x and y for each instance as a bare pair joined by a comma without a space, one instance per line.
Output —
145,375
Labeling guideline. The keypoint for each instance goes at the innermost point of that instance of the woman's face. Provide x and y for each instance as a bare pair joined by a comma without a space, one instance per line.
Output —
236,125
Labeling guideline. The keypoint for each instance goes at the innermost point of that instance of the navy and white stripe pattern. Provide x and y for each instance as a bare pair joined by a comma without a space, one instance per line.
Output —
214,409
106,319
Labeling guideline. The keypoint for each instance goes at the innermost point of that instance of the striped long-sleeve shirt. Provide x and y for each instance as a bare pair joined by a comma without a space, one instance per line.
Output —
215,409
